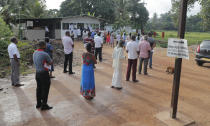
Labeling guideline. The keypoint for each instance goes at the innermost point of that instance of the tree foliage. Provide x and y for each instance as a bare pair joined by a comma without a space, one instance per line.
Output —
119,12
204,14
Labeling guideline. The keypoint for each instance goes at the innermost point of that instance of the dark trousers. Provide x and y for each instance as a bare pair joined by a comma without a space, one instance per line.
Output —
68,59
43,87
98,51
132,63
145,60
150,59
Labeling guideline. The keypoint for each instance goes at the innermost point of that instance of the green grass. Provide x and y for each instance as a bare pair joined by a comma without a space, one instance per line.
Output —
193,38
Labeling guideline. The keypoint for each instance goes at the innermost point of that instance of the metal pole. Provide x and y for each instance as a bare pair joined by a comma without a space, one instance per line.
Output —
178,61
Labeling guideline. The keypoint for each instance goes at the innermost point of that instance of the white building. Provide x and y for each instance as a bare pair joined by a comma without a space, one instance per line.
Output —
35,29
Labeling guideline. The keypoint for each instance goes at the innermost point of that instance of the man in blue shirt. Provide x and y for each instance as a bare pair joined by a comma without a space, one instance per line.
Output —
49,50
42,62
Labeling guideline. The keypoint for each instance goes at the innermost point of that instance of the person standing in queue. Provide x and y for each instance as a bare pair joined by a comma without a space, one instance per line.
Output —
133,51
98,46
153,45
49,51
68,45
145,49
42,62
14,56
87,86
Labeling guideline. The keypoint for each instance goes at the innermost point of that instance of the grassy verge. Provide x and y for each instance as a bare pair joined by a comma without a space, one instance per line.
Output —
193,38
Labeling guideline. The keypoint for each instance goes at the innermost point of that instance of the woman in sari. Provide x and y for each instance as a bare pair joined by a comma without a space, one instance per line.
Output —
117,55
87,88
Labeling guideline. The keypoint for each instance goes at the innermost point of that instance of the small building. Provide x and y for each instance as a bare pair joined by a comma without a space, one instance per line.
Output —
55,28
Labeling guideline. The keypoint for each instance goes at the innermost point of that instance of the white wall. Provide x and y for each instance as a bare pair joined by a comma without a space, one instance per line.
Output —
57,34
34,34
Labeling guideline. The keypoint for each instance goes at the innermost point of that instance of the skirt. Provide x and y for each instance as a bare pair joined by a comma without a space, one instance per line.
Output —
87,85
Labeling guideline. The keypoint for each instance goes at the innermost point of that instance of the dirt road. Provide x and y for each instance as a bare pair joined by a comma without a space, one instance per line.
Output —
135,105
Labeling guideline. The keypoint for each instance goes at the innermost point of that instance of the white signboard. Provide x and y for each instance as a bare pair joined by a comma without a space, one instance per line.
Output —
30,23
177,48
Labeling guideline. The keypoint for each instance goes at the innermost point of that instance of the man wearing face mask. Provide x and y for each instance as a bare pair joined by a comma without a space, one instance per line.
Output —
42,62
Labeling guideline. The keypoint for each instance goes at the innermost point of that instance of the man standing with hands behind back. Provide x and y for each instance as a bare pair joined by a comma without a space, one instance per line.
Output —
68,45
42,62
14,56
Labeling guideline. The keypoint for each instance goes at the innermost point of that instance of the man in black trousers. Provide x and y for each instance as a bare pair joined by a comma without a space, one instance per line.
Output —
68,45
42,62
98,46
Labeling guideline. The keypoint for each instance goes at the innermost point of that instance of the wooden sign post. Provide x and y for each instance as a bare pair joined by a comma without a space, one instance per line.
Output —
178,62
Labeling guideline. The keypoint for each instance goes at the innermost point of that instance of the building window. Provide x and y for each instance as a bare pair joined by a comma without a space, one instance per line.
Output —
65,26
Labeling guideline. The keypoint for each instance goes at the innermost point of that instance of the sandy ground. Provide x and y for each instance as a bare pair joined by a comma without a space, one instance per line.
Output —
135,105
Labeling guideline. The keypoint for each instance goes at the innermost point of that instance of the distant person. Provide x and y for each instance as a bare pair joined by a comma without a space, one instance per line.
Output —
79,34
91,41
14,56
108,38
112,39
87,88
47,32
118,38
152,45
42,62
49,51
75,34
93,34
133,51
72,35
145,49
138,37
68,45
98,46
85,35
117,55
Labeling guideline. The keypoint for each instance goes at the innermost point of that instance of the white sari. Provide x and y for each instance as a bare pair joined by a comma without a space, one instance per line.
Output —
117,55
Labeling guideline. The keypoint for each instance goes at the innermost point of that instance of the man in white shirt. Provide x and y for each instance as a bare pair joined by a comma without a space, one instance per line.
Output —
68,45
118,38
98,46
14,56
133,51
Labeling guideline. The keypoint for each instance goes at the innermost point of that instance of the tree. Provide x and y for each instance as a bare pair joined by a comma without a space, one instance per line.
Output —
122,15
11,10
205,13
52,13
139,13
98,8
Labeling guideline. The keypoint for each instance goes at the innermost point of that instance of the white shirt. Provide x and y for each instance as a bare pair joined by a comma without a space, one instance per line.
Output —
132,48
78,32
67,43
118,37
12,50
98,41
75,33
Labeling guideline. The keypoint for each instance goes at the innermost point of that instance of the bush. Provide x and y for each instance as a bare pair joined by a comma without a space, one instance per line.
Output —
5,35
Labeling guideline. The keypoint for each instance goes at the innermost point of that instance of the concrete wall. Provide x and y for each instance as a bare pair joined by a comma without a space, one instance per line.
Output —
34,34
